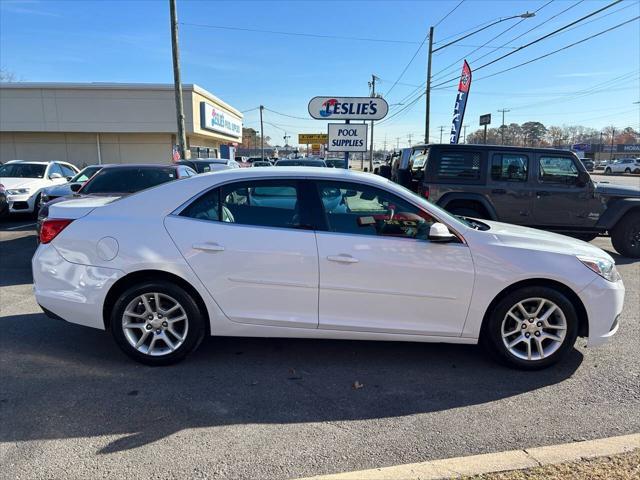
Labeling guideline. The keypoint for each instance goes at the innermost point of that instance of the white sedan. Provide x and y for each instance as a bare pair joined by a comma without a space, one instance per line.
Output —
316,253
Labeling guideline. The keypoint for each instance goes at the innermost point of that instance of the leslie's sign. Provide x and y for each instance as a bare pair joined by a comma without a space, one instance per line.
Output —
219,120
348,108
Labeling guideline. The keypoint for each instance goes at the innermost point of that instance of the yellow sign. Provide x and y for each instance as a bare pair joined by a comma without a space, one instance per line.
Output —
310,138
316,146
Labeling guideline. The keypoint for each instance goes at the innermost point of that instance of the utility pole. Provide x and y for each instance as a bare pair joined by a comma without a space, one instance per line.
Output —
503,126
428,91
397,143
410,136
441,129
613,135
384,149
372,84
182,139
261,134
464,138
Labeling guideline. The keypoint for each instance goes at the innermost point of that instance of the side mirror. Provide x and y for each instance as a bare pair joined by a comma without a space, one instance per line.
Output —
55,176
440,233
583,178
75,187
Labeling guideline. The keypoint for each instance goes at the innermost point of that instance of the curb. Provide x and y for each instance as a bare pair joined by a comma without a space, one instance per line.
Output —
495,462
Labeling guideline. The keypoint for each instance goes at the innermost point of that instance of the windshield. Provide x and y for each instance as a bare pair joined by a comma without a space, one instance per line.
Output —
419,158
335,162
300,163
127,180
23,170
85,174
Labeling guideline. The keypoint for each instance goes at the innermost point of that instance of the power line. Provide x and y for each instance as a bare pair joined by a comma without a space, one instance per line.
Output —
534,41
286,114
559,50
444,71
407,65
449,13
298,34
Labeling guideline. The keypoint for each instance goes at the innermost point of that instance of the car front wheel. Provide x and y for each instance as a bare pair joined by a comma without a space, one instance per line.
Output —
625,236
627,170
607,171
531,328
156,323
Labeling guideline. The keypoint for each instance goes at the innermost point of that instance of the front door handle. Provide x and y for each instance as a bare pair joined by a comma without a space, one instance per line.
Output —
499,190
208,247
342,258
543,194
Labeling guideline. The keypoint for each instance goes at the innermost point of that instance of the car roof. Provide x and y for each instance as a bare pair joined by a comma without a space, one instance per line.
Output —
207,160
34,162
296,172
140,165
479,146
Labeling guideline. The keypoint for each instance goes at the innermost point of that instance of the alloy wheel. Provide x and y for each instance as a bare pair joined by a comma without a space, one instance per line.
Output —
534,329
155,324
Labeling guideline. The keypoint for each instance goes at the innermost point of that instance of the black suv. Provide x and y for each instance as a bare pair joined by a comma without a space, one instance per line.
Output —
537,187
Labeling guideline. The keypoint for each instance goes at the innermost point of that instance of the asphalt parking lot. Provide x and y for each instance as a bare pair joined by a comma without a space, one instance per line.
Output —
73,406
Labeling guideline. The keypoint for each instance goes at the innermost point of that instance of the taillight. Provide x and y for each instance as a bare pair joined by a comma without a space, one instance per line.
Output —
51,227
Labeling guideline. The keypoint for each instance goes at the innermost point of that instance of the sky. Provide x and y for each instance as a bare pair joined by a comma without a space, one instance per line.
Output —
595,83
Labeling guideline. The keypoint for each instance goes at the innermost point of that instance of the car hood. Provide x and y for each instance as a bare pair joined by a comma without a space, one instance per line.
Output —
15,182
613,190
540,240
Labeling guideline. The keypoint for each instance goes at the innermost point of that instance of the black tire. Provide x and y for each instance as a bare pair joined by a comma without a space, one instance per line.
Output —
195,322
637,170
625,236
36,206
607,171
627,170
491,336
467,212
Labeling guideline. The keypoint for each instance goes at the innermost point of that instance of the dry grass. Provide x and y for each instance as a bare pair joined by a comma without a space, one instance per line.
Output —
618,467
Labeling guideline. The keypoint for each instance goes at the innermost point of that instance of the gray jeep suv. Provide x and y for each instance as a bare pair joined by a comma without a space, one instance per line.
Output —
536,187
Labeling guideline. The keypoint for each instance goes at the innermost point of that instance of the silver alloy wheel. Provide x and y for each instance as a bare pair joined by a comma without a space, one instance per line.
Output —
155,324
534,329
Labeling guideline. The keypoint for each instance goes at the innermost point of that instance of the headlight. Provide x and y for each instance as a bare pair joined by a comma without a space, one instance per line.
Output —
18,191
603,267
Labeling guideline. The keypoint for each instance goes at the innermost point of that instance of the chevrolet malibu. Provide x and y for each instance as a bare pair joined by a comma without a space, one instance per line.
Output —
316,253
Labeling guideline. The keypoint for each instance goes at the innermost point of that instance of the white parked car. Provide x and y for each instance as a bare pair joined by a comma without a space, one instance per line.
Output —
25,182
316,253
623,165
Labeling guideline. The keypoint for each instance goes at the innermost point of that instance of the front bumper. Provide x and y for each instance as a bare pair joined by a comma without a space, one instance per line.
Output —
603,301
24,203
71,291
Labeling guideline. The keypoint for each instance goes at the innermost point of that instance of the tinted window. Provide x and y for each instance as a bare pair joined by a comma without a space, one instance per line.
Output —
23,170
364,210
419,158
300,163
459,165
558,170
128,180
86,174
266,203
509,167
207,207
67,171
55,168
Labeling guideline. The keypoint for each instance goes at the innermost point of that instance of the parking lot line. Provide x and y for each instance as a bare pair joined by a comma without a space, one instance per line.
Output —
16,227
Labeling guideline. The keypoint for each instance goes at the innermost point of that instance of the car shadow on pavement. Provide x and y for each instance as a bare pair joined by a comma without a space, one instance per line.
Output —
72,381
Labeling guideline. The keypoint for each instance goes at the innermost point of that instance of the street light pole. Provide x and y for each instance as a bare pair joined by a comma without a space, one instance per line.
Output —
431,51
428,91
182,139
373,94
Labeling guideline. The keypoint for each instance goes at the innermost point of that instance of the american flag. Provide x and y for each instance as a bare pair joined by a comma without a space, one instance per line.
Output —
176,153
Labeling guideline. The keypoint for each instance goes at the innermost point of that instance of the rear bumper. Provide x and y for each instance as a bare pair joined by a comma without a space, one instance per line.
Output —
71,291
603,301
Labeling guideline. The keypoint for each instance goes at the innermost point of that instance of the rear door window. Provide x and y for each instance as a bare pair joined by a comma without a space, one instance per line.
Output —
509,167
459,167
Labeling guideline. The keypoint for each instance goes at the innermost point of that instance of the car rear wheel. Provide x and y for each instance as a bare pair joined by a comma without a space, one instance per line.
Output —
625,236
531,328
156,323
627,170
607,171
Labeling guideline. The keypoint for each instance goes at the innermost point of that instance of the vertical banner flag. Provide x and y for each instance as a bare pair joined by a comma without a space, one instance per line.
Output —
461,103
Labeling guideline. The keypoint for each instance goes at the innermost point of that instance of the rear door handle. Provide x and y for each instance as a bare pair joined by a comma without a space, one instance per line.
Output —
342,258
543,194
499,190
208,247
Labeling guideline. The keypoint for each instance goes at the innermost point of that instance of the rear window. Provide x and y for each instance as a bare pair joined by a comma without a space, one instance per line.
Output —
509,167
128,180
459,166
